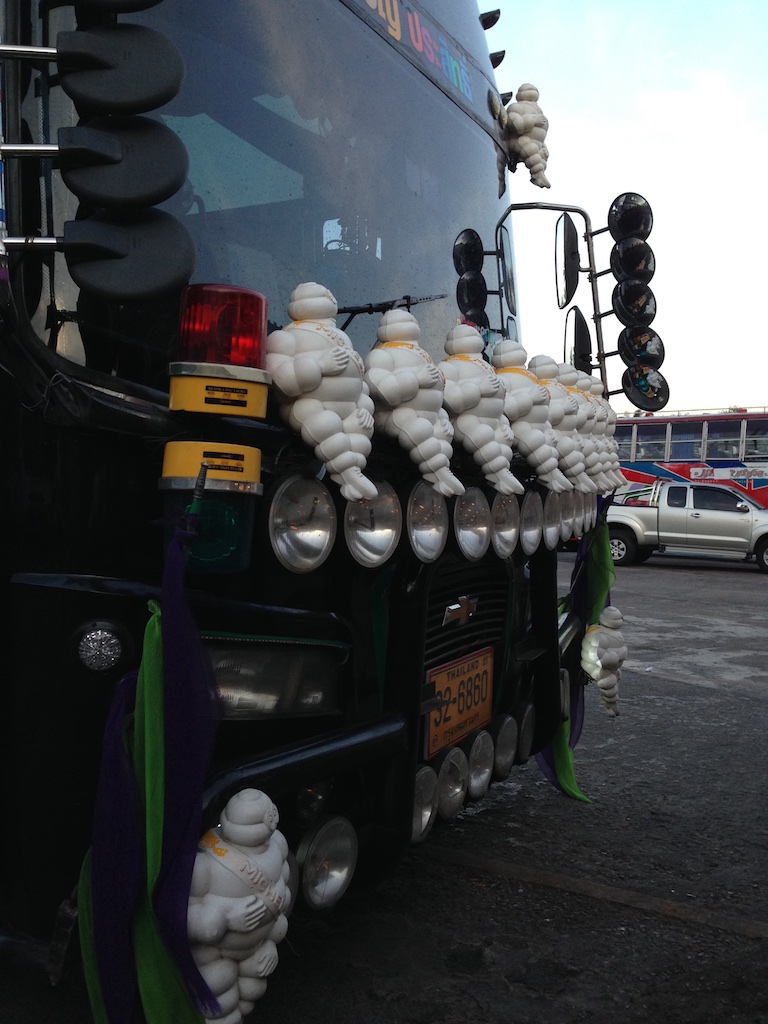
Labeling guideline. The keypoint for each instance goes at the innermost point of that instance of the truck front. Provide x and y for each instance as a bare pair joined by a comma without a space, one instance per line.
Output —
360,647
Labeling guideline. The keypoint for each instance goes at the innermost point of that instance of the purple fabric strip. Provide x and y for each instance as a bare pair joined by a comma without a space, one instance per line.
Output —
191,717
117,862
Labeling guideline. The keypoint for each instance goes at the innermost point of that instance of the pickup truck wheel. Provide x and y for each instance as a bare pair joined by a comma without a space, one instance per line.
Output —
761,554
623,547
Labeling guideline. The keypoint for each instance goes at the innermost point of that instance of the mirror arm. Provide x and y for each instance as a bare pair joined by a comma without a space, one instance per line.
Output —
588,236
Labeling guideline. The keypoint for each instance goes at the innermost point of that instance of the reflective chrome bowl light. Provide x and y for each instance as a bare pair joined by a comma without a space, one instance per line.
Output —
505,524
472,523
531,522
452,781
302,523
479,751
552,520
567,515
100,646
427,522
424,803
526,726
504,733
578,513
327,857
372,527
590,511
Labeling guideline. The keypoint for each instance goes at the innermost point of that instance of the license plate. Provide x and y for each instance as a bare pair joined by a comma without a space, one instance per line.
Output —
464,689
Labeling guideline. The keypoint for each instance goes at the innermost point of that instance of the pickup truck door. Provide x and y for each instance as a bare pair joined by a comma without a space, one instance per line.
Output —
714,520
673,515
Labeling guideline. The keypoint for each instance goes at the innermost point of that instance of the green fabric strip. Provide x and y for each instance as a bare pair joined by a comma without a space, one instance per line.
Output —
163,995
87,949
562,753
601,573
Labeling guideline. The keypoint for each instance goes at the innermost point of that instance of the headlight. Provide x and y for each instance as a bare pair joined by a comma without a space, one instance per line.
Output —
327,857
505,528
551,521
372,527
427,519
472,523
279,679
567,513
531,522
302,524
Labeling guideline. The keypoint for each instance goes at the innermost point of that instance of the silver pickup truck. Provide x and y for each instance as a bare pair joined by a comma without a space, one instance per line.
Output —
700,518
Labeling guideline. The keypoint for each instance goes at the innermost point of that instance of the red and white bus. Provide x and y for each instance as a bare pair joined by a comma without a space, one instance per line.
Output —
725,446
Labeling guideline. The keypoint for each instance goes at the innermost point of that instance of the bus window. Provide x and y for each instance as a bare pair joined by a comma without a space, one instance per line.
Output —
723,438
651,442
623,438
756,441
685,444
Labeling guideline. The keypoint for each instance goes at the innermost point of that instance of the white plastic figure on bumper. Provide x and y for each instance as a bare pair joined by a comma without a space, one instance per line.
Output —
527,407
407,390
318,378
564,415
474,398
602,654
238,903
525,133
599,468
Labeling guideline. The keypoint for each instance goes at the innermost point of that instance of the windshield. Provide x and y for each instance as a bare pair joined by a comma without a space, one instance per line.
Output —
317,153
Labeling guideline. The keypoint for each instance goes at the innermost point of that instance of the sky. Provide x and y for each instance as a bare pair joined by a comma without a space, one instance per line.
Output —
669,99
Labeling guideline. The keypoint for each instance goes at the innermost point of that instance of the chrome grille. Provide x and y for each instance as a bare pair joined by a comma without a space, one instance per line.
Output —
480,586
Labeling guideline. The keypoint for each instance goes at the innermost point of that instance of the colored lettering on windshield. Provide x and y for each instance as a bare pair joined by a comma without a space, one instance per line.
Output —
426,39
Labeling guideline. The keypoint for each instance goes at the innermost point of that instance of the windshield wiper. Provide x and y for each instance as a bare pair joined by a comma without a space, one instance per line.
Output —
381,307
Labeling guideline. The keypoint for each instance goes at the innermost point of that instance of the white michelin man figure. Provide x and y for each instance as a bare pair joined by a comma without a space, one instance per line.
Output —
318,378
525,133
238,903
600,469
474,398
602,654
579,385
527,408
614,463
564,414
407,391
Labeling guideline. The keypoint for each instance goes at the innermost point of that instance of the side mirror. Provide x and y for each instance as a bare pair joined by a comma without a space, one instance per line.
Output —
507,269
578,342
566,260
742,506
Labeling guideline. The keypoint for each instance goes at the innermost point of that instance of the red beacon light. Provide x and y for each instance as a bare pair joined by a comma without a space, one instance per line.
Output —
220,370
221,352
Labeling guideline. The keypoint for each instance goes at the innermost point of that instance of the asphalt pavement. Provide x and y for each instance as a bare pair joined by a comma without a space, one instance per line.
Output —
649,903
